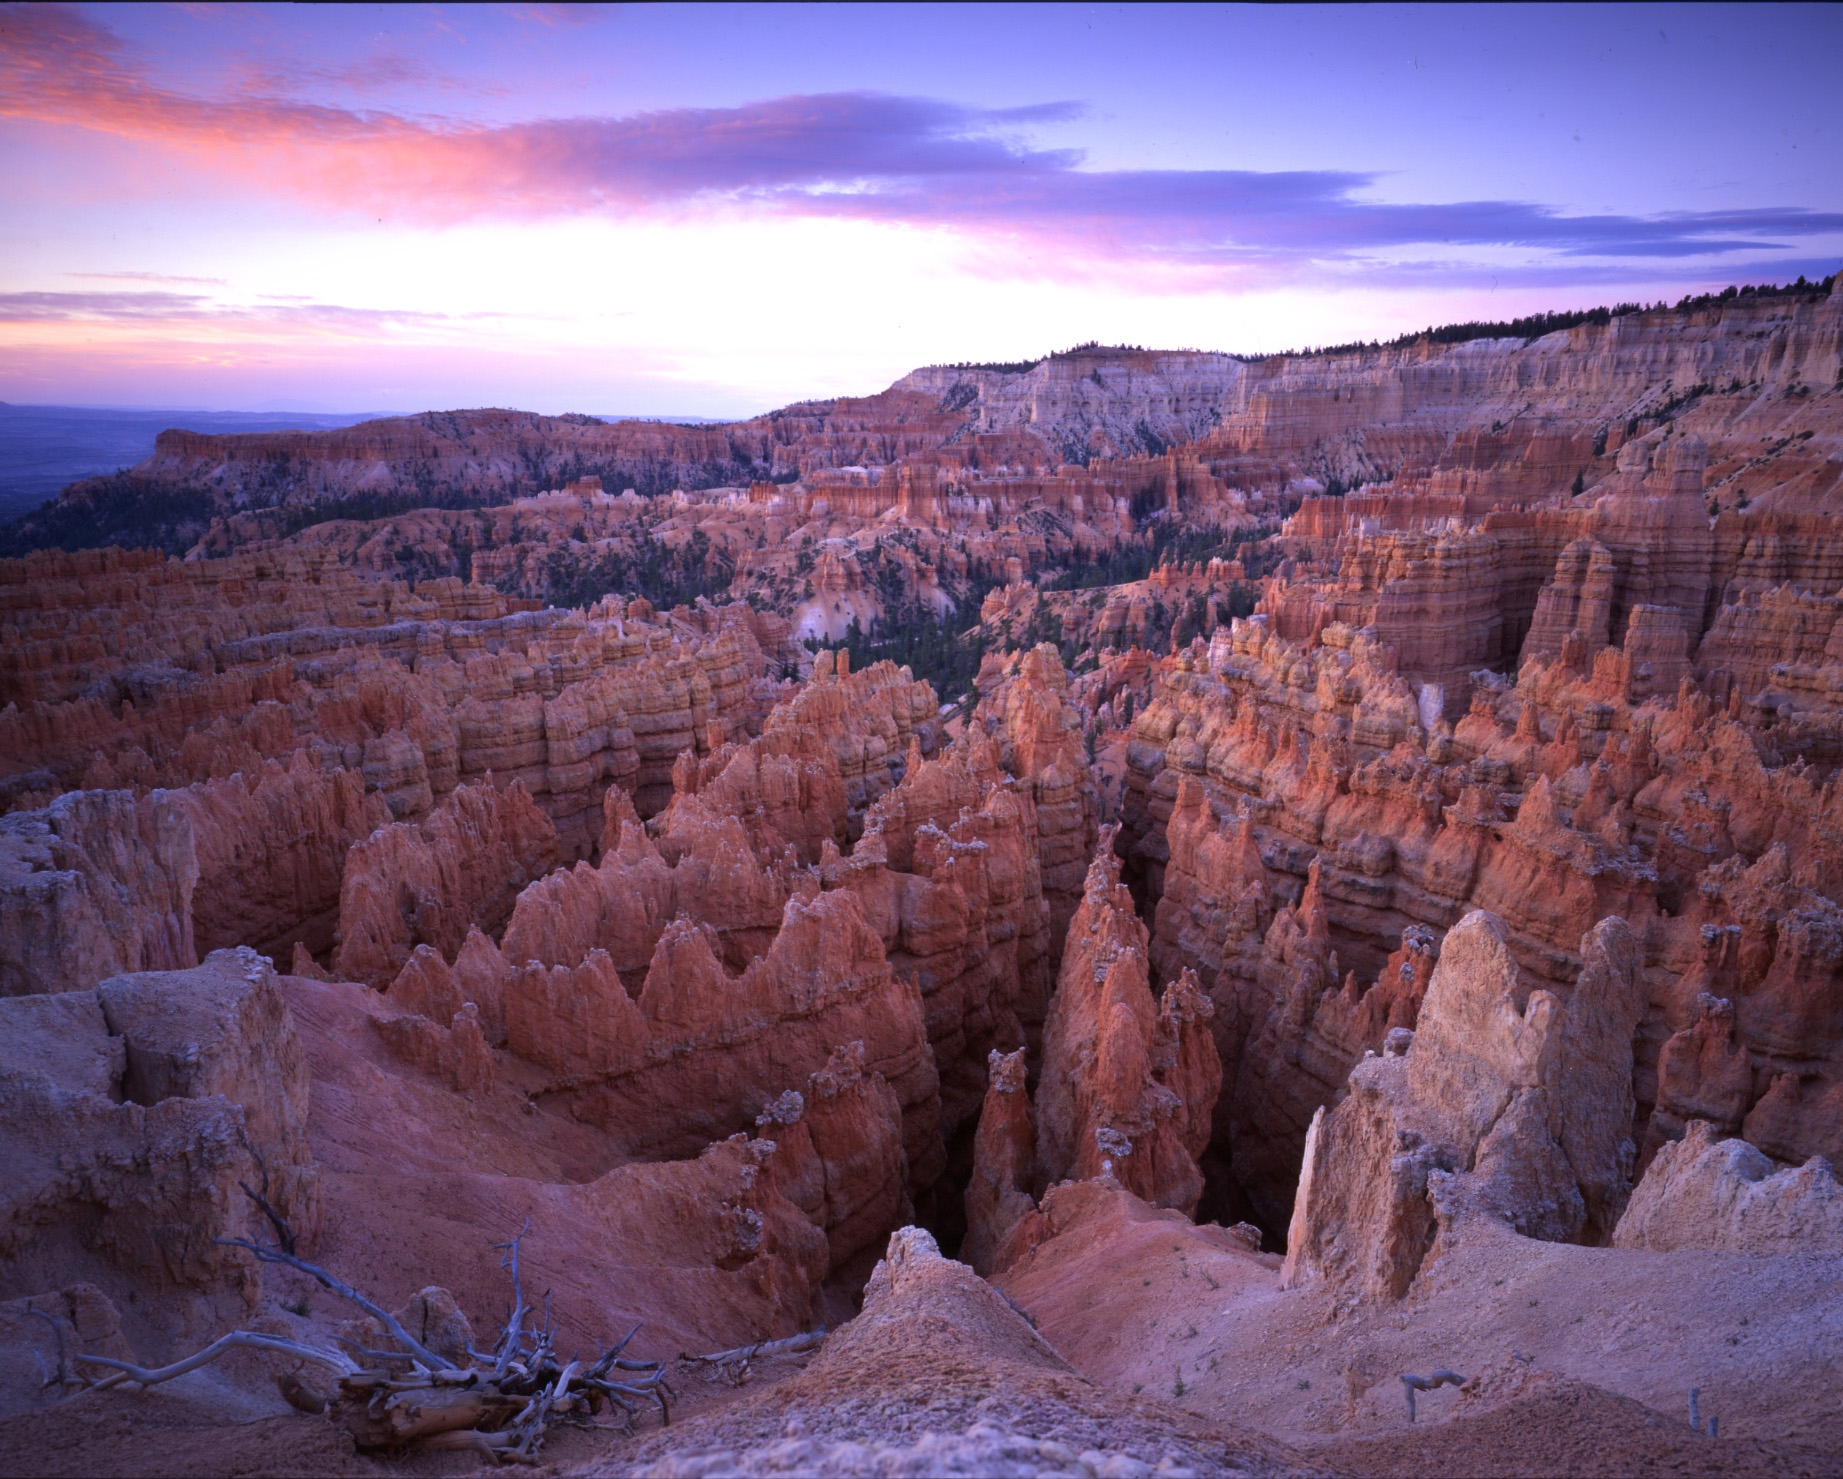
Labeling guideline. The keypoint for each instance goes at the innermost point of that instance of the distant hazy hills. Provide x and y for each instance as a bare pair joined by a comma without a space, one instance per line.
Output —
44,449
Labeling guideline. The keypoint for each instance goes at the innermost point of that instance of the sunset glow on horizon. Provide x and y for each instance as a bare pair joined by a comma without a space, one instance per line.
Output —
712,211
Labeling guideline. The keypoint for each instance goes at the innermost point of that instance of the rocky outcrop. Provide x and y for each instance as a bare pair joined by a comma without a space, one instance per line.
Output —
1093,403
1510,1103
948,872
169,673
1041,740
79,1317
222,1030
706,1248
838,1157
1302,1031
891,1392
1556,801
407,884
1004,1163
695,1053
272,848
1701,1192
446,1042
94,884
134,1111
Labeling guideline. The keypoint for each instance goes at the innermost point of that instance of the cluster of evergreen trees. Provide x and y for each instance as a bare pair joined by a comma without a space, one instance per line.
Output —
117,509
666,577
1170,544
931,646
1535,325
1798,289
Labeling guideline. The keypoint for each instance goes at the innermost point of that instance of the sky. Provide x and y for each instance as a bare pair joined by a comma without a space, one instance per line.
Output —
713,210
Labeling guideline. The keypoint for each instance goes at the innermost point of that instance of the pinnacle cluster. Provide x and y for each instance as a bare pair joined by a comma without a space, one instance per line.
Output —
1085,918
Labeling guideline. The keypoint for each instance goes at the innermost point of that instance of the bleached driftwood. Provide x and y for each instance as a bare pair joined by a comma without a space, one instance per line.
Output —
500,1403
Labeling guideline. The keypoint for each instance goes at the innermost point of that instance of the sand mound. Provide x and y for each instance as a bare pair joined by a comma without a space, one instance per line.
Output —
940,1375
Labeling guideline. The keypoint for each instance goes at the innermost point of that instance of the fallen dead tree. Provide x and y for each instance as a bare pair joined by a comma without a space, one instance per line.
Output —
736,1367
392,1401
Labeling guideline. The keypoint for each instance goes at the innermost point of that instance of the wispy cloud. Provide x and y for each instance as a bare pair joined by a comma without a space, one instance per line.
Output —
22,308
192,308
209,282
866,156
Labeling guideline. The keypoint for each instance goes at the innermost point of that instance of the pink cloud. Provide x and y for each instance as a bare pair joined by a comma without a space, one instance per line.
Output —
863,156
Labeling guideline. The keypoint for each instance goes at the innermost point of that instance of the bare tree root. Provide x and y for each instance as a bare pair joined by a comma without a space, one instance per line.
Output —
1412,1384
502,1403
57,1329
278,1252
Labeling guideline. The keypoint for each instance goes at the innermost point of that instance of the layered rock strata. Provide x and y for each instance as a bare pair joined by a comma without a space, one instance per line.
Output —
1304,828
171,673
408,884
1042,741
1128,1084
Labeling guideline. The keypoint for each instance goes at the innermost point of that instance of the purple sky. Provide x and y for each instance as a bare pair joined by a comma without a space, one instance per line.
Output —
710,210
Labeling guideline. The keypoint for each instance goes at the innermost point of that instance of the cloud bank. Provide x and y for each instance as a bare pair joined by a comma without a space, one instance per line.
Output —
911,161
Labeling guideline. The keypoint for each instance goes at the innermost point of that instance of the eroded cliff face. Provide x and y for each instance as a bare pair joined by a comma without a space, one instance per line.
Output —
1306,825
718,1033
135,1108
1498,420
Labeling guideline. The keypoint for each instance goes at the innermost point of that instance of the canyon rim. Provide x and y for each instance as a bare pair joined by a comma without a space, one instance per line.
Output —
1122,911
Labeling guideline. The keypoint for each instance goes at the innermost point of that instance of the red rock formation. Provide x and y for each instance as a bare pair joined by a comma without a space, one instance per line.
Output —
1040,737
272,848
1004,1163
705,1250
458,1053
698,1051
261,656
1128,1081
1639,812
763,871
838,1157
947,871
408,885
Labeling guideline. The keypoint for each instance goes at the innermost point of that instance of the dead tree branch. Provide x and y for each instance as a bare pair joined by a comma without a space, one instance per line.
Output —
245,1339
808,1341
502,1404
284,1235
57,1329
735,1367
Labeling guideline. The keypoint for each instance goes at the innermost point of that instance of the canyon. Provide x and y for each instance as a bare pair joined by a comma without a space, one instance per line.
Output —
1145,897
